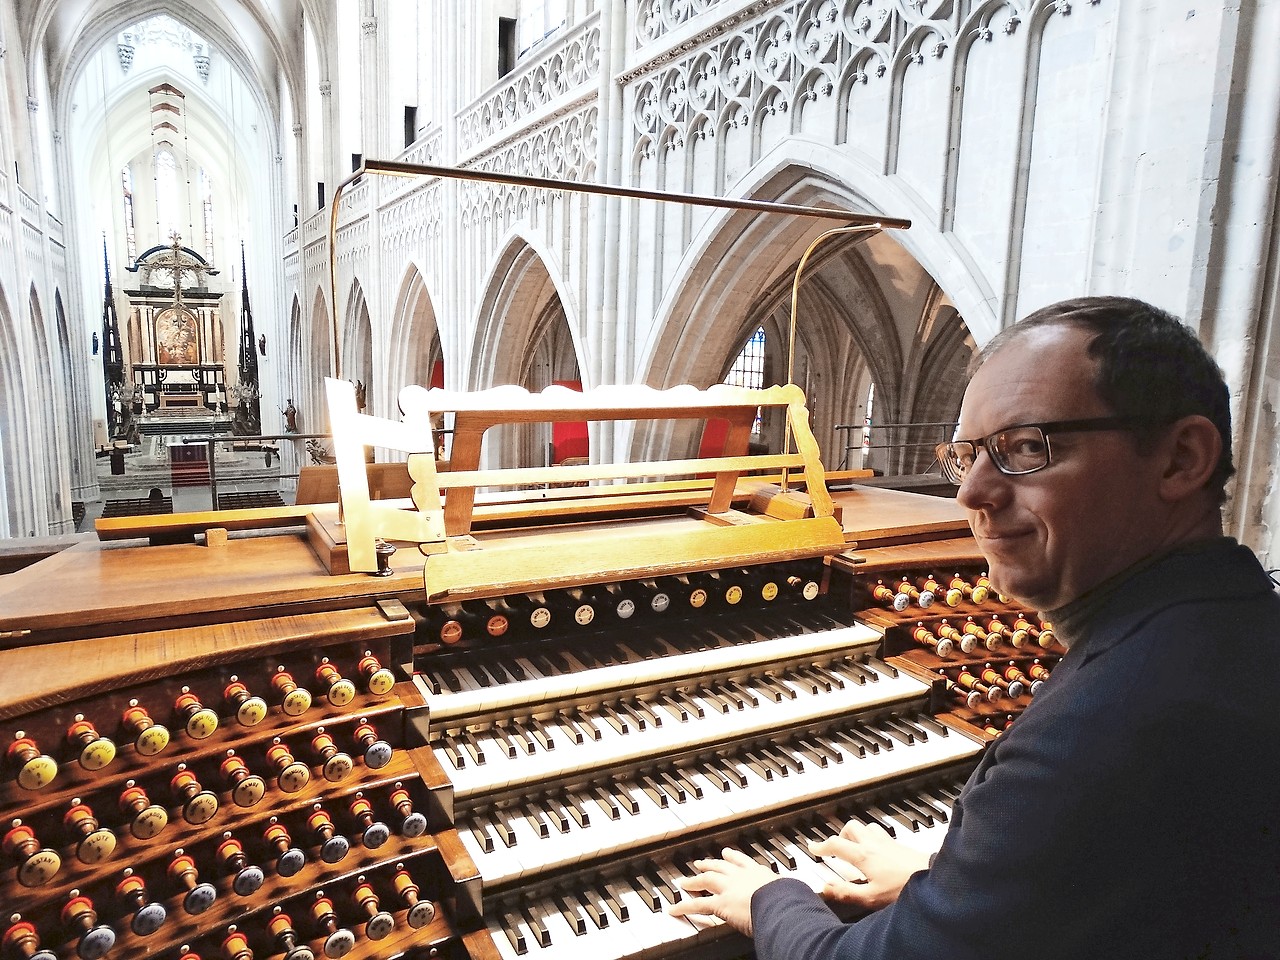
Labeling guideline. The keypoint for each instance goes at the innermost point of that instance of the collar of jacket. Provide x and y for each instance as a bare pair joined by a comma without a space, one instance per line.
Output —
1215,570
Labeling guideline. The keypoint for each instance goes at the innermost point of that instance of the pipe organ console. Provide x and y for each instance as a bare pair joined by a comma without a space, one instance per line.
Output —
509,748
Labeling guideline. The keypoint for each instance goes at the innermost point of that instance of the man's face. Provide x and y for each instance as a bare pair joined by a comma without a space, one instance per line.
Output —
1093,511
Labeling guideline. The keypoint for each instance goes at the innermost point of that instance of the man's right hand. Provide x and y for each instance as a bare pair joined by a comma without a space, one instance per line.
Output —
884,862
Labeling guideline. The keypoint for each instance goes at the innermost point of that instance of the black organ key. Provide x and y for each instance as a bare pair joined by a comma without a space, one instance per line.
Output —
743,691
941,808
885,668
665,878
557,814
848,743
594,908
515,670
726,691
922,810
499,672
693,705
535,820
810,752
735,772
612,893
716,700
452,751
812,675
690,784
628,803
502,829
517,932
482,836
875,736
757,852
849,671
899,731
577,807
541,935
540,733
472,748
570,729
524,736
587,657
653,791
592,729
765,766
633,714
766,687
647,891
606,803
780,852
932,725
717,779
674,709
837,678
806,685
789,757
784,688
615,720
904,816
648,712
504,741
673,787
572,913
878,816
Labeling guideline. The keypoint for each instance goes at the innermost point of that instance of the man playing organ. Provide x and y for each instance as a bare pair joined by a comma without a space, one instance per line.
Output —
1130,811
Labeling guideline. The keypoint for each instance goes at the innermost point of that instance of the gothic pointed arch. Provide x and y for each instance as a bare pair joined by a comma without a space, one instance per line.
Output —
15,517
319,365
51,491
357,342
518,292
525,336
415,335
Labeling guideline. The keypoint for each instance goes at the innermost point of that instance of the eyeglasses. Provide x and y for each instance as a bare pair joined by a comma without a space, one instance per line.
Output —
1020,449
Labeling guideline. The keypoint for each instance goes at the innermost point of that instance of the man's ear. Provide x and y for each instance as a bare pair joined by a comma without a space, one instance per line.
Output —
1190,452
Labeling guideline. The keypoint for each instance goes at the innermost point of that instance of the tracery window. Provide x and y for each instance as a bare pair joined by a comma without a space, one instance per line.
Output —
206,202
168,217
130,233
748,369
538,20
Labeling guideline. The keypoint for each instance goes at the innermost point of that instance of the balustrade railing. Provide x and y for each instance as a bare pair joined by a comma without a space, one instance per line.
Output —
552,74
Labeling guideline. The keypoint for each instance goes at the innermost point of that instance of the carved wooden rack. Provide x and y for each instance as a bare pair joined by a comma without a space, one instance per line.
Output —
549,549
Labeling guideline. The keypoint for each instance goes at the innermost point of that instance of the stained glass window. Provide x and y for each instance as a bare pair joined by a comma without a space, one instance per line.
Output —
748,369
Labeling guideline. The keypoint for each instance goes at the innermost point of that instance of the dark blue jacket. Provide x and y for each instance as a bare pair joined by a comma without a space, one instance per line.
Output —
1132,811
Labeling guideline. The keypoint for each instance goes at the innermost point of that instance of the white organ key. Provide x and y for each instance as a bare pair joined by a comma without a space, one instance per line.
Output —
534,763
539,687
755,789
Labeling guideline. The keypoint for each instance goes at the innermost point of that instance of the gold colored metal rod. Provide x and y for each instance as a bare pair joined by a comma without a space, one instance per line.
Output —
795,303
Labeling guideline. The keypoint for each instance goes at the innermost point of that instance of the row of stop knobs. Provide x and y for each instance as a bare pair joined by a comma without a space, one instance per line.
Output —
94,939
35,769
247,788
39,864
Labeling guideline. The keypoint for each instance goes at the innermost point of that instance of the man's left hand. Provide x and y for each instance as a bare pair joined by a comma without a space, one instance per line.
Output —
728,885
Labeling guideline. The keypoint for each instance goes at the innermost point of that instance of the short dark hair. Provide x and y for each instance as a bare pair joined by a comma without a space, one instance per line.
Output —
1150,365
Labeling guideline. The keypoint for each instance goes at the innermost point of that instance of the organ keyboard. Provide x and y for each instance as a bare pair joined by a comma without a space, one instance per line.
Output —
509,747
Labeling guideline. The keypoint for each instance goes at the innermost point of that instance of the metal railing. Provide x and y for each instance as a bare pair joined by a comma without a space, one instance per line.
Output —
210,443
898,440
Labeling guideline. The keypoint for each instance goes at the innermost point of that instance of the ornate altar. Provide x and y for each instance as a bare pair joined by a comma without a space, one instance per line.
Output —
175,331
